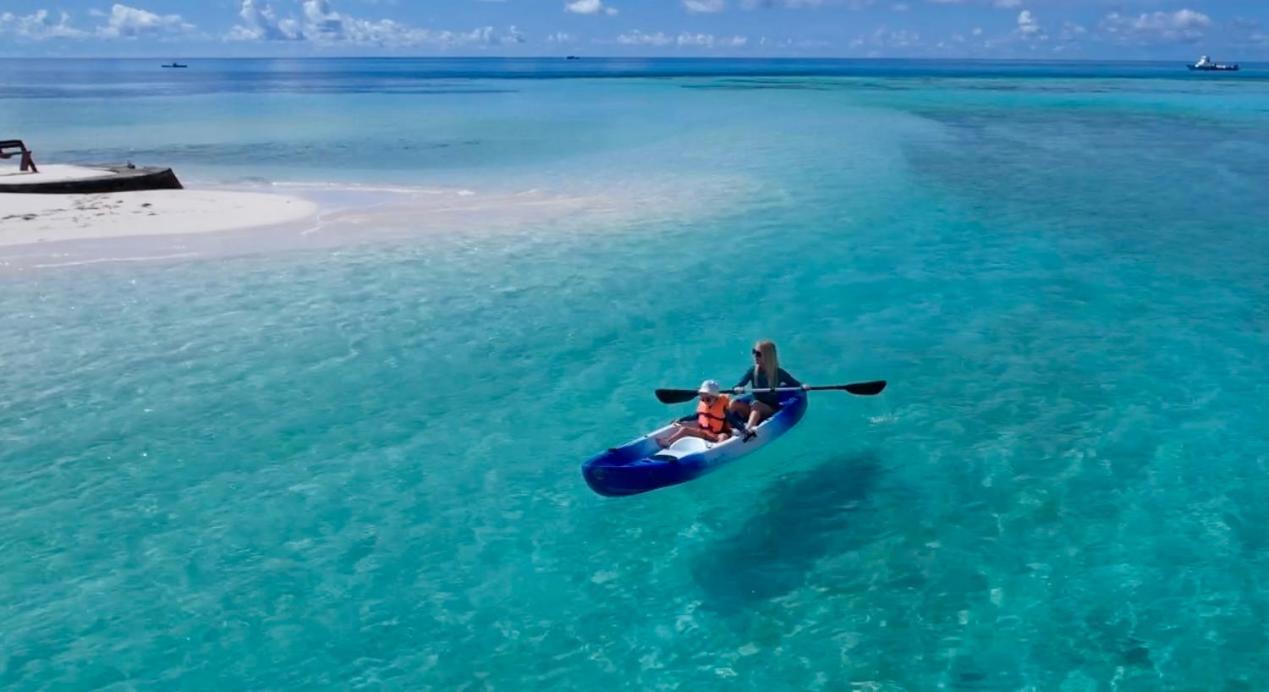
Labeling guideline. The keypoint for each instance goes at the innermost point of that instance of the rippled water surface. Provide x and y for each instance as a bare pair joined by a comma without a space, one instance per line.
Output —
358,466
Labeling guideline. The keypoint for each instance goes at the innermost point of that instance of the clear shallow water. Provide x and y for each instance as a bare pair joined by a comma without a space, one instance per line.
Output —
359,465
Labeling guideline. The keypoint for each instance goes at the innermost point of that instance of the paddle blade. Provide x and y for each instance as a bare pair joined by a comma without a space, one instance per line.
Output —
676,396
866,388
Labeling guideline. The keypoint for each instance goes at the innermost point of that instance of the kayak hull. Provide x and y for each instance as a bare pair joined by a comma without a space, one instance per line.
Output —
640,465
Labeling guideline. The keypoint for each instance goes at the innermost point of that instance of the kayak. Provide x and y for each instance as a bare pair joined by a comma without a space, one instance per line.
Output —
641,465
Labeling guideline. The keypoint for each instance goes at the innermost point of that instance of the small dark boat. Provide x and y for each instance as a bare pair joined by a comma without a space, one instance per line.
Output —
175,65
572,57
1205,64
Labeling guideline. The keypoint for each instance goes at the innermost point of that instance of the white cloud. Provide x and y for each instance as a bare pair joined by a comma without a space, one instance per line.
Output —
589,7
683,40
1182,25
1071,32
320,23
131,22
710,41
793,4
901,7
39,25
704,6
123,21
1003,4
788,43
321,20
639,38
1247,31
884,38
261,23
1027,24
561,38
702,40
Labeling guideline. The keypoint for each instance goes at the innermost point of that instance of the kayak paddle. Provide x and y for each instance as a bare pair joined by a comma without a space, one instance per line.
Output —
682,396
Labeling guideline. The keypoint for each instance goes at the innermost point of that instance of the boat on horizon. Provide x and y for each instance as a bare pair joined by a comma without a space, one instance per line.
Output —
1205,64
174,65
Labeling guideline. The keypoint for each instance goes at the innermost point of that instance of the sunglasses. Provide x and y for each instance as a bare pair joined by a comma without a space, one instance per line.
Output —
757,353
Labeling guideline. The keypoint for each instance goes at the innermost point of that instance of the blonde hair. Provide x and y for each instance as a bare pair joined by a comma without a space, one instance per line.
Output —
770,362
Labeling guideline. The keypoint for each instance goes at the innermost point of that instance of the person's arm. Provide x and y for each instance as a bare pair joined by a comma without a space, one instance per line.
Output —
743,381
787,380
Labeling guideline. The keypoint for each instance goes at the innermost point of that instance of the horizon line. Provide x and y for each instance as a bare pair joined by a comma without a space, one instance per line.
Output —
694,58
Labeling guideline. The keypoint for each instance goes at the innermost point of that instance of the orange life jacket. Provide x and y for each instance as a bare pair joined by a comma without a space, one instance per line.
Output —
712,417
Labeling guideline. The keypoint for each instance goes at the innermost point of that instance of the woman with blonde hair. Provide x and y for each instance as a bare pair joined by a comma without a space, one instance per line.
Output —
766,373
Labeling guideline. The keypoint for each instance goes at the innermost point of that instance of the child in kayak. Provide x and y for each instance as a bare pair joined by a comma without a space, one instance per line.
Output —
710,421
766,373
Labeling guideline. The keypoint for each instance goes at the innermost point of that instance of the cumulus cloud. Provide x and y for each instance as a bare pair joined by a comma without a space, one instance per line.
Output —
639,38
685,40
122,21
704,6
39,25
1181,25
130,22
261,23
1247,31
793,4
589,7
1027,24
790,43
1071,32
710,41
320,23
1002,4
883,38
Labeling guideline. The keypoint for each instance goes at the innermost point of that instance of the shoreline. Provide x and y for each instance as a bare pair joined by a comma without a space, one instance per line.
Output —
44,231
38,219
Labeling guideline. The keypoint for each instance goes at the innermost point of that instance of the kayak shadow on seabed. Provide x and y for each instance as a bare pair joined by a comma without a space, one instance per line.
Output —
801,519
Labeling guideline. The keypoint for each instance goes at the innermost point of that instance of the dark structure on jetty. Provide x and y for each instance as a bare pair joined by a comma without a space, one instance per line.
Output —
127,178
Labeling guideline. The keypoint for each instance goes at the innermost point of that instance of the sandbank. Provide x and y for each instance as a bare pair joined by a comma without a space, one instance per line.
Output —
32,218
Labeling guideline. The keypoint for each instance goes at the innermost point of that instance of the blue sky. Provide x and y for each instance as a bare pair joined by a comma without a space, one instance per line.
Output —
1053,29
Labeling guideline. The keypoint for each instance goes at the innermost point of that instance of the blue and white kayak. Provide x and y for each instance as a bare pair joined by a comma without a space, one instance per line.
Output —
641,465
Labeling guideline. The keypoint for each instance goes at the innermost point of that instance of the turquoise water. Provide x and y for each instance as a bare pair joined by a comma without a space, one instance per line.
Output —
358,465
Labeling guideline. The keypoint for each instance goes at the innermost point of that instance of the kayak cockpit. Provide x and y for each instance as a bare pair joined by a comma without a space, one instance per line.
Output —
682,448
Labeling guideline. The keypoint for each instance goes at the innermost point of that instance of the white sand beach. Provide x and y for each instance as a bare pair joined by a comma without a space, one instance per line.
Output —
38,218
58,230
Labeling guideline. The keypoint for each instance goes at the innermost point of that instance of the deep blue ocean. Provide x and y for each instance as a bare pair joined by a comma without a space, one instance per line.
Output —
355,465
